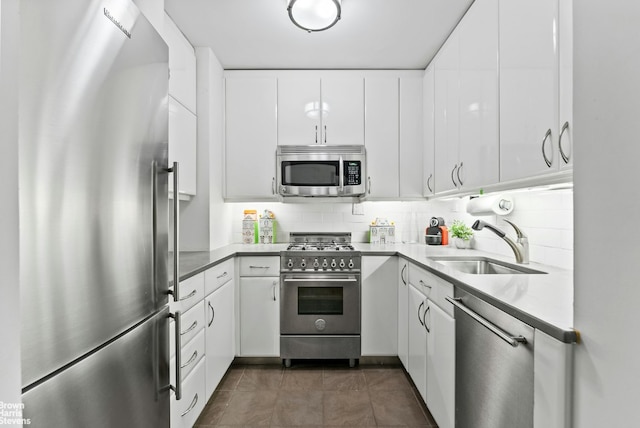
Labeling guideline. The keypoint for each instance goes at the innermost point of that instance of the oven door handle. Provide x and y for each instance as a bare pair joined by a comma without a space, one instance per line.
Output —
351,279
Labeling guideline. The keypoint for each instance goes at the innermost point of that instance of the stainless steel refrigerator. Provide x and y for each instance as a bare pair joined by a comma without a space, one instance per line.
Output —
94,215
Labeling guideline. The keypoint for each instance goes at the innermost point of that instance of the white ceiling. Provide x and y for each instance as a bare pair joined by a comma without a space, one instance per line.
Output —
372,34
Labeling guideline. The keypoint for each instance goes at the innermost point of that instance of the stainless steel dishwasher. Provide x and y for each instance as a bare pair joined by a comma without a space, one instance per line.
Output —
494,366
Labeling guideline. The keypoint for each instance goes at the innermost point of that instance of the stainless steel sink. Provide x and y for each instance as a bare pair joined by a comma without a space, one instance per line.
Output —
483,265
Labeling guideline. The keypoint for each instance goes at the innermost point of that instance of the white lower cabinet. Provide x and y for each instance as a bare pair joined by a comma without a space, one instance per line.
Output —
259,317
441,364
403,312
185,412
417,341
220,337
379,319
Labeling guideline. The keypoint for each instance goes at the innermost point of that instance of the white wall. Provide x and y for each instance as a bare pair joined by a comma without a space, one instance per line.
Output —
10,381
607,198
545,216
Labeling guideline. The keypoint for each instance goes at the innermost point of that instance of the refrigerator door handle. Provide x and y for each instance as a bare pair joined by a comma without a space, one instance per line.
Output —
176,233
177,321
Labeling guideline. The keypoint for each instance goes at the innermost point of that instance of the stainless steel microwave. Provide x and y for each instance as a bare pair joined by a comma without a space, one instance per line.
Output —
321,170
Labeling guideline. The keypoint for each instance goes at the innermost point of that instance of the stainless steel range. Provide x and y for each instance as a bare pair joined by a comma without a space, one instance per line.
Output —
320,298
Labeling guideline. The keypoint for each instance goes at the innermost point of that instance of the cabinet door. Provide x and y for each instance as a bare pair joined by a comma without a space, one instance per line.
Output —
183,146
379,317
381,96
447,114
259,317
344,121
441,347
479,148
182,65
428,87
220,343
411,133
417,341
250,138
299,110
565,31
403,313
528,88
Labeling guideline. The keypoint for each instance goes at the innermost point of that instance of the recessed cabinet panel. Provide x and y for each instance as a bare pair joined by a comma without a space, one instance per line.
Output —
344,99
299,111
182,65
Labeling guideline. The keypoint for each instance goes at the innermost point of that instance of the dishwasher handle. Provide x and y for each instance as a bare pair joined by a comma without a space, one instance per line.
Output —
511,340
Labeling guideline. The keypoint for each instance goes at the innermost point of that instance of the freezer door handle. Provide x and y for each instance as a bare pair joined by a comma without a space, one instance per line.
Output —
176,232
177,324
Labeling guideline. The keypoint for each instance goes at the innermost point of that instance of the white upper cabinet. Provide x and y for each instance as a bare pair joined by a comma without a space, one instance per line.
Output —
250,137
479,136
565,35
447,114
320,110
381,96
183,146
466,102
428,88
529,88
182,65
411,138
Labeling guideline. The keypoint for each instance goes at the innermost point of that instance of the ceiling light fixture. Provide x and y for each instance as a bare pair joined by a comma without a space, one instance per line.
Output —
314,15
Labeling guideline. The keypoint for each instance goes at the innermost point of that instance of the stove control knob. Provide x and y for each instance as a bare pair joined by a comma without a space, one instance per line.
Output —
333,264
316,264
320,324
290,264
351,264
325,264
303,263
342,264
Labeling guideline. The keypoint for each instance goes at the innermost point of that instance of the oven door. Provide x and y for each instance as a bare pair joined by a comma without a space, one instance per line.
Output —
319,303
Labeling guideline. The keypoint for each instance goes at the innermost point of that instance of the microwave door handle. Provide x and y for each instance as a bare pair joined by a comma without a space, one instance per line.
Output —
341,172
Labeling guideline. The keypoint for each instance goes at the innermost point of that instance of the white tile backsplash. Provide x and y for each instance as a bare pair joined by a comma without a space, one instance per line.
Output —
545,216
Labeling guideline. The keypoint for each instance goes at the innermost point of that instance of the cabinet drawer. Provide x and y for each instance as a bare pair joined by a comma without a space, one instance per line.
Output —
185,411
192,323
191,354
435,288
191,292
260,266
218,276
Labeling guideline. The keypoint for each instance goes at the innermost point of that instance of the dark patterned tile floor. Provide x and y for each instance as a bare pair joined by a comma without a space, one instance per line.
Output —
313,395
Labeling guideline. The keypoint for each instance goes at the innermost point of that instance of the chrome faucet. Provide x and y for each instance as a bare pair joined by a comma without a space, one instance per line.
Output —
520,247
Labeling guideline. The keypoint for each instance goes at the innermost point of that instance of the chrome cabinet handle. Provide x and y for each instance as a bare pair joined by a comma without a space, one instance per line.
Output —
213,314
190,295
177,326
191,406
176,232
511,340
458,174
429,183
544,154
191,327
258,267
316,134
424,318
565,158
425,284
453,171
325,134
191,360
222,276
420,319
275,283
369,185
402,274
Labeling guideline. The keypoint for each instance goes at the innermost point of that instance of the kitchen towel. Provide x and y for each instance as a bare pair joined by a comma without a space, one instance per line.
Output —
489,205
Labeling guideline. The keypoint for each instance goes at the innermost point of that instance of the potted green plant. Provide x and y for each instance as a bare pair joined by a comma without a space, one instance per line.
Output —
461,234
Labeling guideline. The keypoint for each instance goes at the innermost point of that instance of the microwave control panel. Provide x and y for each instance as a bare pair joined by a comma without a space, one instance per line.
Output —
352,173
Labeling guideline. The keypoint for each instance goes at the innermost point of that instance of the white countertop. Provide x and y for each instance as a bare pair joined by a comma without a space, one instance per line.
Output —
543,301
